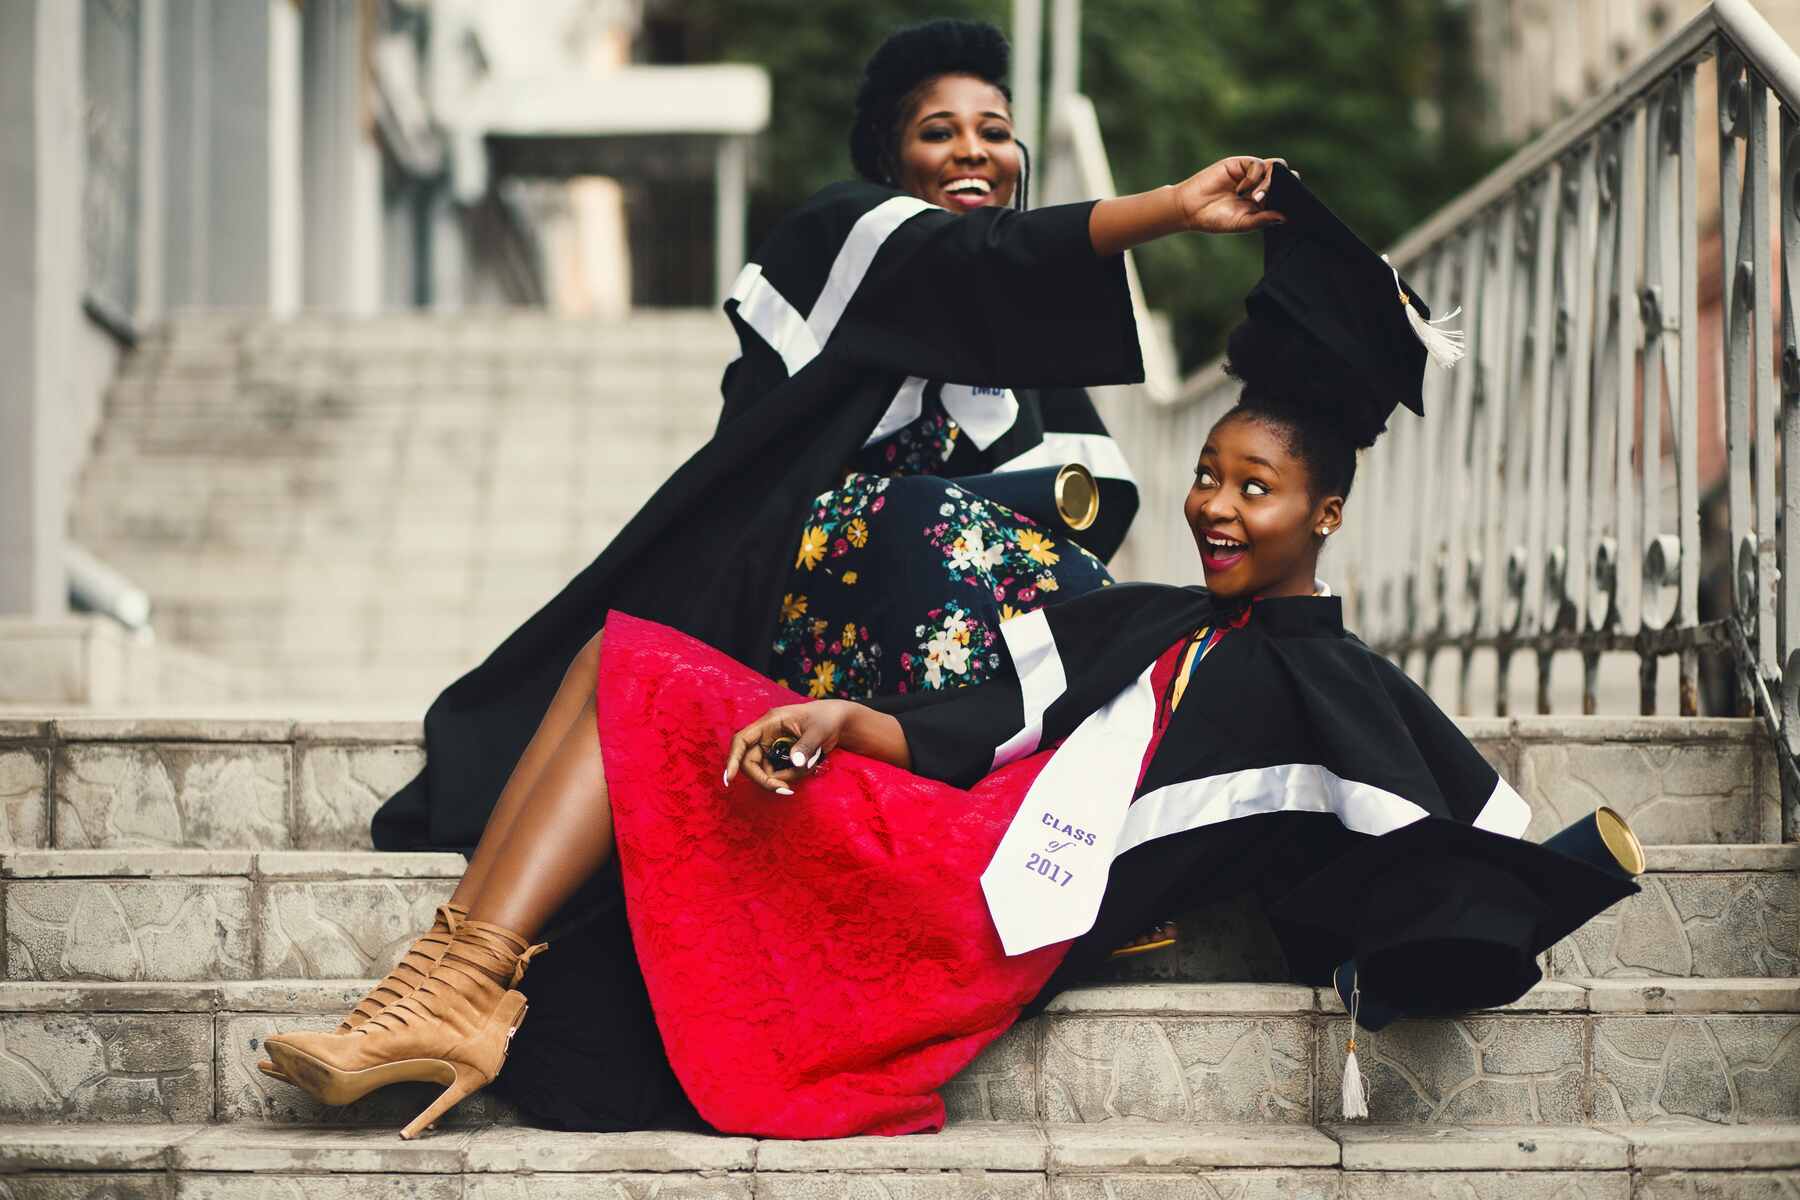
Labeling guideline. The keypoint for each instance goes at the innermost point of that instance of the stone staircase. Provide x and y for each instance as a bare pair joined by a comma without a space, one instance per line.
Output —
176,888
361,509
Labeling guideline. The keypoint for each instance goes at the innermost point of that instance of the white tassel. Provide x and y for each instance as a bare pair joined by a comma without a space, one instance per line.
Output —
1356,1104
1356,1107
1445,346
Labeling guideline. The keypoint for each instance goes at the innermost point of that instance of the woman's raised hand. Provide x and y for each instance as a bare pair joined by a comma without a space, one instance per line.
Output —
815,728
1228,196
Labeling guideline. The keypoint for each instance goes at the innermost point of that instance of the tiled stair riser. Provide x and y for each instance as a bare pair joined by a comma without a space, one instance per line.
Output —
250,785
200,915
91,783
1670,793
24,784
1719,924
1707,911
278,915
76,1053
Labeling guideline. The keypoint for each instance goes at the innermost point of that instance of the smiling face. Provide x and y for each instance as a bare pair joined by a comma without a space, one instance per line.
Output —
1253,513
956,145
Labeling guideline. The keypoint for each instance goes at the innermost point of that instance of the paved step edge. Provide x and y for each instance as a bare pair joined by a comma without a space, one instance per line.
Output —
201,728
228,864
1601,996
1122,1146
1704,859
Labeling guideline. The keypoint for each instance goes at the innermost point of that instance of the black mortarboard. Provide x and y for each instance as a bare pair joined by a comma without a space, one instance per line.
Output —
1321,281
1444,917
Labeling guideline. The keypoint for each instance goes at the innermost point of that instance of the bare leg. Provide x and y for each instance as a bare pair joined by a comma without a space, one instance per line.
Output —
573,696
561,834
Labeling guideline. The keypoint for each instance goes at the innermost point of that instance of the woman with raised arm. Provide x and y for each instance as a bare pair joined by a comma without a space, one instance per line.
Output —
916,324
870,894
899,334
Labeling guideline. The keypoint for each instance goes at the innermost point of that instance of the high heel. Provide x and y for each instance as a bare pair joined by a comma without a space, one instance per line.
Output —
407,974
453,1029
1145,947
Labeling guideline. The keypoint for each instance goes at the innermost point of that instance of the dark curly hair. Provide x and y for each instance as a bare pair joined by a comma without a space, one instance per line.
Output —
1299,388
909,59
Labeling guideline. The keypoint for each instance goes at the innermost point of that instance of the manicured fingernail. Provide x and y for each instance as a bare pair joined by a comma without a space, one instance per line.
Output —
726,778
803,761
1258,197
784,791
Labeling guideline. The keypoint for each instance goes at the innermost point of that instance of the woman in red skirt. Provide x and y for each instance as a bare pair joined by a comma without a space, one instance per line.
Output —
552,830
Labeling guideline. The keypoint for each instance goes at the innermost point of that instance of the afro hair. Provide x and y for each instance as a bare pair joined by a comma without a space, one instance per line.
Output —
909,57
1297,385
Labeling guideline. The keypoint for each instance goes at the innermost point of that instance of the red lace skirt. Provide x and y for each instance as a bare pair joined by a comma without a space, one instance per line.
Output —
819,964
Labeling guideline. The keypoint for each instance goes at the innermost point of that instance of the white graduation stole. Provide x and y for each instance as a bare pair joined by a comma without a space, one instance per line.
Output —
1046,879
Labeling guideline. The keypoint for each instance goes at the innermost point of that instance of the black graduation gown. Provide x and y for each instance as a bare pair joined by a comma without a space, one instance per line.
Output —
857,291
1295,748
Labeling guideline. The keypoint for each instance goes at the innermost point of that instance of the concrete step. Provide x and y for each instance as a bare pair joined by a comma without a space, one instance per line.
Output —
174,915
967,1161
182,914
1569,1052
1706,910
271,784
397,444
89,783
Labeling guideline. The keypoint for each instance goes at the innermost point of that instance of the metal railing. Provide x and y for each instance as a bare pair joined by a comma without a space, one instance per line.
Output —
1550,508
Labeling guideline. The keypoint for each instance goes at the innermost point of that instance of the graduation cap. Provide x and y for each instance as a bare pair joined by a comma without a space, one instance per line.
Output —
1444,917
1322,282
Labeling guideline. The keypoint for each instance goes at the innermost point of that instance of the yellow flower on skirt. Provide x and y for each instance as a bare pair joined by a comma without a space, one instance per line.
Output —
1008,612
812,548
849,578
849,637
792,606
1037,547
858,532
824,678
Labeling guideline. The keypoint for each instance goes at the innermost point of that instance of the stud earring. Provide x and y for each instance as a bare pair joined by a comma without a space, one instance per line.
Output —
1324,531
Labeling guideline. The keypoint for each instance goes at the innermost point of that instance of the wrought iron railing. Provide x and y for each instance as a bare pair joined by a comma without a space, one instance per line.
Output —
1550,509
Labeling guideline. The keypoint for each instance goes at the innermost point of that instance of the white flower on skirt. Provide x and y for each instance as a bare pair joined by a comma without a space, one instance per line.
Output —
971,550
948,650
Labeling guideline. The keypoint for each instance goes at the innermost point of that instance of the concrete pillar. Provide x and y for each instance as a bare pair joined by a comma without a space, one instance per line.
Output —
1027,72
342,181
153,86
1065,49
41,147
232,233
731,182
449,253
1065,67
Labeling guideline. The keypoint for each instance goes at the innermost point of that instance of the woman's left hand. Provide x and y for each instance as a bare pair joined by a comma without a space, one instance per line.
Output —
815,728
1228,196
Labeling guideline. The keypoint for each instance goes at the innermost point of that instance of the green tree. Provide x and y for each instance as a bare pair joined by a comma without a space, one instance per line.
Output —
1373,100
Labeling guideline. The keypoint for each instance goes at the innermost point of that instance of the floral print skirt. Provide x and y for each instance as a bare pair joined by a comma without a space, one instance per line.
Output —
900,583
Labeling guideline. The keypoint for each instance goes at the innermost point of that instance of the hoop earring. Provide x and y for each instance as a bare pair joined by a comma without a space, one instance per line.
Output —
1022,195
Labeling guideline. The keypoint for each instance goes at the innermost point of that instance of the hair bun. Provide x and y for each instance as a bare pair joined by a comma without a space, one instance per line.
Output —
1293,376
908,58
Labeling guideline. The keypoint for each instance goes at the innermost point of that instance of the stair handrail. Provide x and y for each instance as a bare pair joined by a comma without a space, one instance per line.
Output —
1537,527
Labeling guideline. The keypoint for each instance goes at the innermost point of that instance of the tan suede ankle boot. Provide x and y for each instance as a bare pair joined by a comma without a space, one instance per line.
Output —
452,1029
407,974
